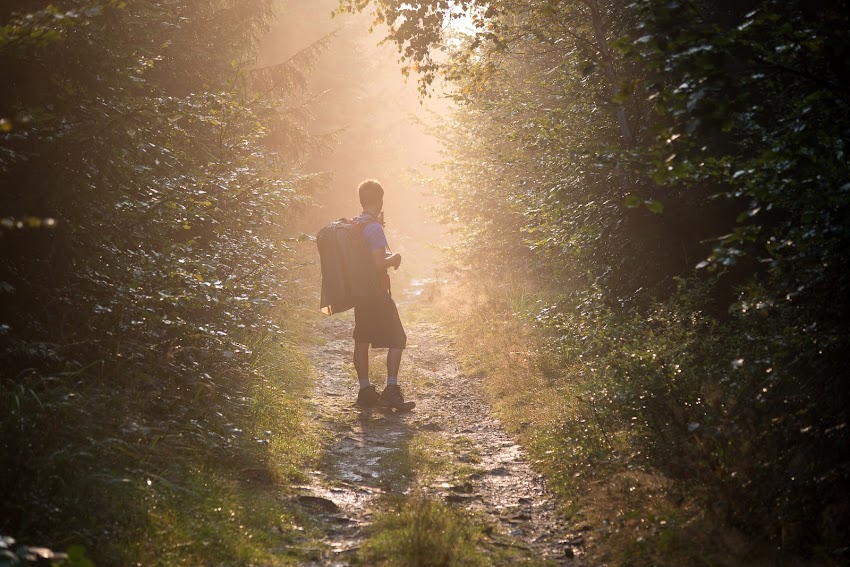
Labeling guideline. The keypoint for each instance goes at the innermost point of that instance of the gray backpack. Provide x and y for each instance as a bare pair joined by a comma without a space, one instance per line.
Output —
348,272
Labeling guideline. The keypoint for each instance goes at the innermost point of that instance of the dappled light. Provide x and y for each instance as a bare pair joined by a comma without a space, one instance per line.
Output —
441,282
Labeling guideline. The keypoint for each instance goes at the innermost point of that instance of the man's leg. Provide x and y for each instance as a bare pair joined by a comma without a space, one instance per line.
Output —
361,363
392,396
392,336
393,364
368,396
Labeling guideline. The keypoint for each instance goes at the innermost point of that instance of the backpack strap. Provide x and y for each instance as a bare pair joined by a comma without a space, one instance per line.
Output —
383,277
363,224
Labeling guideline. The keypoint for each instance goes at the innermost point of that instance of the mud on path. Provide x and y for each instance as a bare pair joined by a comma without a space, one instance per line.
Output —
365,458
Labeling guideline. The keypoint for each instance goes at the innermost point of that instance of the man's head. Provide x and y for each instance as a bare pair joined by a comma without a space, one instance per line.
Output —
371,194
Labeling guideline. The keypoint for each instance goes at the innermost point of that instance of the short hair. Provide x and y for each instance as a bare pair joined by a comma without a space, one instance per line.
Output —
370,192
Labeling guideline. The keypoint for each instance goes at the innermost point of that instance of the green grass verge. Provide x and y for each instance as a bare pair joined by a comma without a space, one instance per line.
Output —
220,520
419,532
233,510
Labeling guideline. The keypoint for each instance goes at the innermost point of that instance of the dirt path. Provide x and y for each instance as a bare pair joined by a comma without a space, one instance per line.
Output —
365,458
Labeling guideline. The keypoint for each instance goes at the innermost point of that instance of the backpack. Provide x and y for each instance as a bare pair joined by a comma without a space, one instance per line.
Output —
348,271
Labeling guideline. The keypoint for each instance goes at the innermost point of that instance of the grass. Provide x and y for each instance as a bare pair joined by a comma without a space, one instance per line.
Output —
420,532
426,458
227,509
221,520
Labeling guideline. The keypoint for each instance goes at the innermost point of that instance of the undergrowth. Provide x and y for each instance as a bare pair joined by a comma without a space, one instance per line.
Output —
642,424
186,474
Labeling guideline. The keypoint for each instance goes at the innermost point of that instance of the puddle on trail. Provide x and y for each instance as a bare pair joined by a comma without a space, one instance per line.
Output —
362,458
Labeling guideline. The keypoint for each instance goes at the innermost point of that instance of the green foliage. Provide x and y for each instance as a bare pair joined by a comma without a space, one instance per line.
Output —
674,390
648,386
415,28
760,96
140,327
606,150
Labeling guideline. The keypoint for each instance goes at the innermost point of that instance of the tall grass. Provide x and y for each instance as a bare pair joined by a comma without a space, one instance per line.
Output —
639,422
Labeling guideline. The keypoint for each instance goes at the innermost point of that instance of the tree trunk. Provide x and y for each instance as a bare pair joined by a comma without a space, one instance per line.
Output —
610,71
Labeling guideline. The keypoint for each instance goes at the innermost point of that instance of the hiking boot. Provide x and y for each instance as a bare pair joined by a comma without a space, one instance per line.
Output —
368,397
391,398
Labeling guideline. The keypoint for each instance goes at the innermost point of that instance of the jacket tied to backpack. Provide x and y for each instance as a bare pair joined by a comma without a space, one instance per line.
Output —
348,271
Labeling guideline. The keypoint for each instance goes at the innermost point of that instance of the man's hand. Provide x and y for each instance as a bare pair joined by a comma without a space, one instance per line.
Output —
384,261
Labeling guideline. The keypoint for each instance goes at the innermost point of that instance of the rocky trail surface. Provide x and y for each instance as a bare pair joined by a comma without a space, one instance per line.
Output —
368,455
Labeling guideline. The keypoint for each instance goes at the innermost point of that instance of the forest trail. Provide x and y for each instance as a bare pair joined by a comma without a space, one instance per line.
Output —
371,456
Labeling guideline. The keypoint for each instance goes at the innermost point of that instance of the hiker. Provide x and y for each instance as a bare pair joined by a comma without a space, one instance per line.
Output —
376,320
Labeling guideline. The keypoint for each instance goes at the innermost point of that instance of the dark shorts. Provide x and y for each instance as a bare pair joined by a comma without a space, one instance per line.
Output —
376,322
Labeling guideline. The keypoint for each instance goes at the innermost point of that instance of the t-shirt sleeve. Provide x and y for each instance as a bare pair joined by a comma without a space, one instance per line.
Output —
375,237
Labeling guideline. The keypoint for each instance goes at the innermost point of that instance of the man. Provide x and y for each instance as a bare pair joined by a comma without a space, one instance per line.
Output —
376,320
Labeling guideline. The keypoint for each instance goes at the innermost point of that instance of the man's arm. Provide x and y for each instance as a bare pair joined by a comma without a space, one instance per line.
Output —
383,260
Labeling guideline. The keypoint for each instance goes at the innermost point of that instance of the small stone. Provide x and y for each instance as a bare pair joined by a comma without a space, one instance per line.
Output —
569,553
460,498
465,488
518,517
318,503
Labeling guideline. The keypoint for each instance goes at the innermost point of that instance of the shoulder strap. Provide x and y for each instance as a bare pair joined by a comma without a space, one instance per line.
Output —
363,224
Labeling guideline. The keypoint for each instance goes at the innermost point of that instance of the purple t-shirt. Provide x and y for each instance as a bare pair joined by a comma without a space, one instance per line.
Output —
373,233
